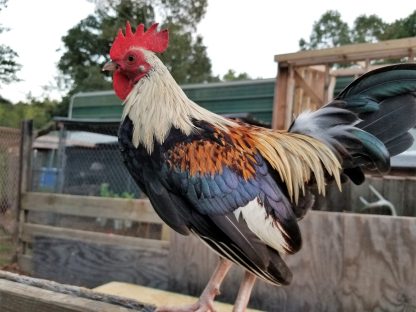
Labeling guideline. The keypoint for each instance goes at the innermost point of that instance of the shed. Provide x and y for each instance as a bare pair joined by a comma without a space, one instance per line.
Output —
252,97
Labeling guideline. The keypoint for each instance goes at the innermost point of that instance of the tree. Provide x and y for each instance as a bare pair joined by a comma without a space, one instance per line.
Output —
329,31
367,29
231,75
8,65
87,44
39,110
401,28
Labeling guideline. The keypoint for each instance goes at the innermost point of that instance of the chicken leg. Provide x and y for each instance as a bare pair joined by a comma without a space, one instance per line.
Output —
244,293
206,300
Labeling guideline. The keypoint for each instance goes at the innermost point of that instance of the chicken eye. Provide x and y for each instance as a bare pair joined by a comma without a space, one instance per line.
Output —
131,58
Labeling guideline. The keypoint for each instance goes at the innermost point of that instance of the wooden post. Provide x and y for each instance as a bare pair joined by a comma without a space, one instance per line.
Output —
411,55
290,94
279,105
61,158
25,175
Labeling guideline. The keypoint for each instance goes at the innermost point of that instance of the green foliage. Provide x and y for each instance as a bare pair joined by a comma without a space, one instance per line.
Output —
8,65
331,31
401,28
87,44
367,29
106,192
231,75
41,111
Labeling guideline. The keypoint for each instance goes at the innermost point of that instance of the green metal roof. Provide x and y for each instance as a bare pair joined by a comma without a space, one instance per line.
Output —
341,83
252,96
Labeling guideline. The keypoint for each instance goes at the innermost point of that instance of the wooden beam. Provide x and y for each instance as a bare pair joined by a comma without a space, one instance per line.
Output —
279,104
348,53
29,231
20,293
90,206
308,90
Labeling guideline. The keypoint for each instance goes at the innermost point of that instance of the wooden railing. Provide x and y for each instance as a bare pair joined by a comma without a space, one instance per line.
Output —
60,228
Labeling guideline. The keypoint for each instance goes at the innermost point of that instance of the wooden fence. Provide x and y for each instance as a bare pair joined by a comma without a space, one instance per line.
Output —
349,262
400,190
63,239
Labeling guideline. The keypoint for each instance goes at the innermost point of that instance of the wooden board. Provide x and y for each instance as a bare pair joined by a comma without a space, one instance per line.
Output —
351,52
91,264
30,230
91,206
25,294
155,296
348,262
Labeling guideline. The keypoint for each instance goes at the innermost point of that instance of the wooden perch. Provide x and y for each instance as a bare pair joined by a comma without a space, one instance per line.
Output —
20,293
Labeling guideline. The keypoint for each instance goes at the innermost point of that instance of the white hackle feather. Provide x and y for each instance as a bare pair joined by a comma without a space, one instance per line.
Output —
157,103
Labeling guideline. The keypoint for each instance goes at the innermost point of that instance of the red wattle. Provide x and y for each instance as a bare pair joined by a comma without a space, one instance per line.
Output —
122,85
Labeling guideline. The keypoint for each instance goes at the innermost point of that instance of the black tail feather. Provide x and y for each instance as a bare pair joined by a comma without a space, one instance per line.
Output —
368,122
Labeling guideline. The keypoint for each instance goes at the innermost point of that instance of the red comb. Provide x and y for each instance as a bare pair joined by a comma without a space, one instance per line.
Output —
152,40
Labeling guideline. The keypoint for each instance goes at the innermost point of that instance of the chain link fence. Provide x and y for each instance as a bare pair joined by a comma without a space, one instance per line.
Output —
81,158
9,169
9,180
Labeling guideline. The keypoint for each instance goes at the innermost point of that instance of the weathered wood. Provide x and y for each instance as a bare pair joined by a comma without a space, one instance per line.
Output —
91,206
25,263
409,208
320,88
394,191
352,52
29,231
156,296
89,264
24,294
279,102
380,264
306,88
349,262
401,191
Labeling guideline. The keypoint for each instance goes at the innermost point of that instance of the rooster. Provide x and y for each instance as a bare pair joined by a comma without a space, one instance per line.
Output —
240,188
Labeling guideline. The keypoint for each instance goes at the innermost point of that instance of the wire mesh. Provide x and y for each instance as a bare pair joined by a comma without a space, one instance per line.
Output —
81,159
9,167
9,179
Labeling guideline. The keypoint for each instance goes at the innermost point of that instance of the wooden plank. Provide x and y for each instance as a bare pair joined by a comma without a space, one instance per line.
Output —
29,231
410,197
394,192
280,96
91,264
25,294
309,91
338,268
25,263
352,52
290,94
156,296
380,263
91,206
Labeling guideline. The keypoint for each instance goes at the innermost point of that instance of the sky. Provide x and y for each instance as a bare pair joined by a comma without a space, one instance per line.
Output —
242,35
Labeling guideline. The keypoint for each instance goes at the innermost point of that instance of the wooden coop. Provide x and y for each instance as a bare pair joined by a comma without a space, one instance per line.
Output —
306,80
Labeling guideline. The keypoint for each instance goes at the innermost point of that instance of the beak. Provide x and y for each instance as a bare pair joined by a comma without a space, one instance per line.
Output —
109,66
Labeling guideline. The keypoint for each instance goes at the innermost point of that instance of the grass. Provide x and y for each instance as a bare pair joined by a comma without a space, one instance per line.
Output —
6,249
